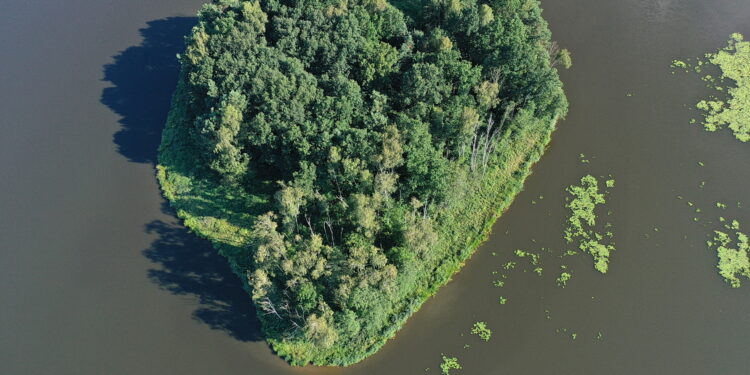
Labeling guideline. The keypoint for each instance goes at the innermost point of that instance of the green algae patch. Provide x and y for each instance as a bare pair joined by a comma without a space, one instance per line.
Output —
533,258
562,280
449,363
480,329
732,110
581,226
732,251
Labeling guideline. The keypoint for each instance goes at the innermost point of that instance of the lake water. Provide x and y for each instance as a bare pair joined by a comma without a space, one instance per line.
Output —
98,277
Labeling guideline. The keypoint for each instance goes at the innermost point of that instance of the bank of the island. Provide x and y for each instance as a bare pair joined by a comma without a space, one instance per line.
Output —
347,157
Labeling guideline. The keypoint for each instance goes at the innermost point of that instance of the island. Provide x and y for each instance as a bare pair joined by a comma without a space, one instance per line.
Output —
348,156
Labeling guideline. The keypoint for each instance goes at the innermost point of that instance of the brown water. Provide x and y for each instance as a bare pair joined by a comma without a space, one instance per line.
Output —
97,277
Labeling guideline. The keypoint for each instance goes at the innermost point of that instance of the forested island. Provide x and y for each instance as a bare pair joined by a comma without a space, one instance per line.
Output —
347,157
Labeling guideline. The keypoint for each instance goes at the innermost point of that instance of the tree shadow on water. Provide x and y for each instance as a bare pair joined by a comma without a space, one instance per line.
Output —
190,266
143,78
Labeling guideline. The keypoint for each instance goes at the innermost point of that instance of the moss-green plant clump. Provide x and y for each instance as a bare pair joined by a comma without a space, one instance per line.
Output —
581,226
480,329
449,363
733,253
348,156
732,109
562,280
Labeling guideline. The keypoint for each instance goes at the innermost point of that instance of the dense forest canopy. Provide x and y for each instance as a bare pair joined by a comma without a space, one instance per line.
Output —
357,150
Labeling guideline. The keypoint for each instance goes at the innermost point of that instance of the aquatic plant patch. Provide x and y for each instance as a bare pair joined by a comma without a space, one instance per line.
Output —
732,248
581,226
449,363
730,106
480,329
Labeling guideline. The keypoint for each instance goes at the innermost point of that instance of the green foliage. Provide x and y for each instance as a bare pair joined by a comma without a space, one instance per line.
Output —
582,221
348,156
480,329
566,59
449,363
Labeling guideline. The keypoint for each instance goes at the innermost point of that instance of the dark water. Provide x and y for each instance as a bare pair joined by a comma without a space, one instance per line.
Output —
97,277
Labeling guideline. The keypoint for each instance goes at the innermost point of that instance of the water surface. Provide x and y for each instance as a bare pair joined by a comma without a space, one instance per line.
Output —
97,276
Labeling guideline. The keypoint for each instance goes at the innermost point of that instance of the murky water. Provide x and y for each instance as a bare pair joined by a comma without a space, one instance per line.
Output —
96,275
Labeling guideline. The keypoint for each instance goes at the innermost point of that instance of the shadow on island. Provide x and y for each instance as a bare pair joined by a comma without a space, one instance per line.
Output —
143,78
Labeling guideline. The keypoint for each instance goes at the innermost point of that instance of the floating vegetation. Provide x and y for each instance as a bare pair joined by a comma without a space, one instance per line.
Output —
701,163
509,266
610,183
502,300
523,254
680,64
599,335
734,111
538,271
735,225
498,283
562,280
583,159
449,363
582,221
721,205
573,335
732,252
480,329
